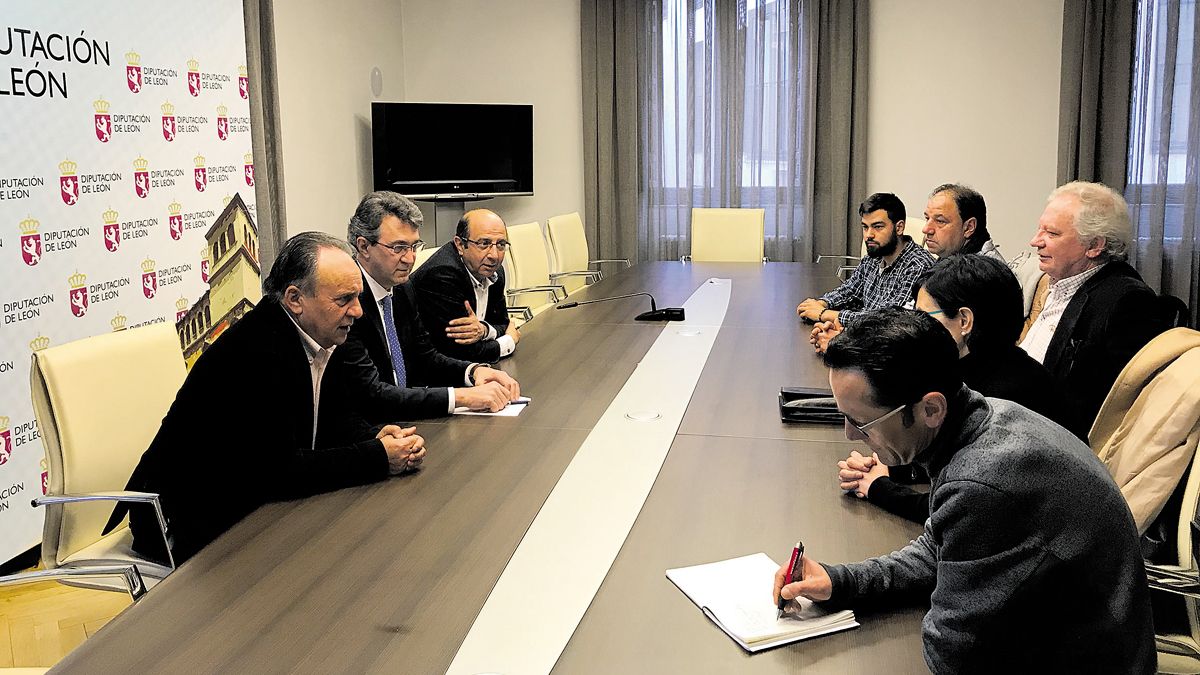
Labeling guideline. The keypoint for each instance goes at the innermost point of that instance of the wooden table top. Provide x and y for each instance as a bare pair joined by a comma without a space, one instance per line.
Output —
389,577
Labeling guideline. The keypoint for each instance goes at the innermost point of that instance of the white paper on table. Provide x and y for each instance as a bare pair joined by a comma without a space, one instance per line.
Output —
511,410
735,595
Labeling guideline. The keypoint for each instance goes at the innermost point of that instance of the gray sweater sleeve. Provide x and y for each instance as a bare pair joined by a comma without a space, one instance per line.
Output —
911,569
972,563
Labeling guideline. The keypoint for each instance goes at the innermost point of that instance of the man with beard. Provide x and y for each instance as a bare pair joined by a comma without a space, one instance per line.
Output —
885,276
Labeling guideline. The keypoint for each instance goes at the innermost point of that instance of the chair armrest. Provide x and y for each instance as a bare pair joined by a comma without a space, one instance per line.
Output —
553,289
116,496
836,257
1174,579
520,310
844,272
603,261
129,573
594,275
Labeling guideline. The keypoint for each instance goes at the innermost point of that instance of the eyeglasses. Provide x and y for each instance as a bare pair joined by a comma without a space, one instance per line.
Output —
485,244
864,428
402,247
935,312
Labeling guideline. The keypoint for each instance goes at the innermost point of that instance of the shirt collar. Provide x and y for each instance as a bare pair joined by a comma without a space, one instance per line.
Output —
377,291
312,349
1077,280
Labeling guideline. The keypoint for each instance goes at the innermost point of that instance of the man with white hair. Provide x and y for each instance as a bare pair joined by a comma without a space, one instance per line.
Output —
1098,312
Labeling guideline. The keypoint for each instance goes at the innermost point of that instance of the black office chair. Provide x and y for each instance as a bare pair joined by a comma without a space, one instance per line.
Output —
1174,311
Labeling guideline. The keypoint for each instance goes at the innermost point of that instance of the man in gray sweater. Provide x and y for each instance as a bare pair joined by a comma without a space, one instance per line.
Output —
1029,557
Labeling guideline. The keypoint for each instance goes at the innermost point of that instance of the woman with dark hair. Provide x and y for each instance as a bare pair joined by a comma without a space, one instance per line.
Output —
979,301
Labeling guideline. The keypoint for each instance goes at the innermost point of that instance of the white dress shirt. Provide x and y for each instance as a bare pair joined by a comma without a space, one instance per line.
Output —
379,293
506,342
318,358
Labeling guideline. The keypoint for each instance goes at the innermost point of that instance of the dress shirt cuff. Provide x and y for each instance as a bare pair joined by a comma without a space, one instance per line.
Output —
450,391
491,331
507,345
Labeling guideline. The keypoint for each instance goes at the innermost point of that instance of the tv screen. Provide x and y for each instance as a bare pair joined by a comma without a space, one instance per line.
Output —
453,151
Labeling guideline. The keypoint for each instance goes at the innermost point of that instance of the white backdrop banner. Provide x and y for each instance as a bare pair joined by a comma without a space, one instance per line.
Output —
126,130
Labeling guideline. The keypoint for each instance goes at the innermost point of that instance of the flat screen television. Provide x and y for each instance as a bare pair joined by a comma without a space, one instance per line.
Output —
453,151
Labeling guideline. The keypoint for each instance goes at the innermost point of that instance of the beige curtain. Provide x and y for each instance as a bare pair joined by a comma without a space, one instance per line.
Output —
1097,72
723,103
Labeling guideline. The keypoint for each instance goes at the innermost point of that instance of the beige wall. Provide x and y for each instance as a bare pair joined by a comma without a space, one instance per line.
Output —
960,90
507,52
966,91
325,54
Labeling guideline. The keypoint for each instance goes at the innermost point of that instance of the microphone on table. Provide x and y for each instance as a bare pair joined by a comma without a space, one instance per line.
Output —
655,314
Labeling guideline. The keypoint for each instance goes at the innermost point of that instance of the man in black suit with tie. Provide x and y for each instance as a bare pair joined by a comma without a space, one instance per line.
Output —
403,375
252,399
460,291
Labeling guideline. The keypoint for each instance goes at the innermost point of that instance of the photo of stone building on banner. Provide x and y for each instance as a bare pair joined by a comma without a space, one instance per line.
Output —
234,280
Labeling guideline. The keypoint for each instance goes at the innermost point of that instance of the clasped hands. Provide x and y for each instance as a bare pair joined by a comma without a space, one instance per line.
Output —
857,472
405,449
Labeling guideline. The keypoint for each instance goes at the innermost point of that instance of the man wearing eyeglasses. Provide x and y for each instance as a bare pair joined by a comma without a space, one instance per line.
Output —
1029,559
460,291
403,374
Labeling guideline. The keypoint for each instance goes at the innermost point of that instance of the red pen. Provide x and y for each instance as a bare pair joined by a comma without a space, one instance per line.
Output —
795,565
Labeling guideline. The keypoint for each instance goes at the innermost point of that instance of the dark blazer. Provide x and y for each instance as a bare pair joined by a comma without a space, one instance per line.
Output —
366,355
1110,318
442,284
239,434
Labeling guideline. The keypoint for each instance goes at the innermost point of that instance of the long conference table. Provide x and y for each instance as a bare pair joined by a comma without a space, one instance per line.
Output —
390,577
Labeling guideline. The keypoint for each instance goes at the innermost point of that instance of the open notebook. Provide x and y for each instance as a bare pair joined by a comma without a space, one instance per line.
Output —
736,595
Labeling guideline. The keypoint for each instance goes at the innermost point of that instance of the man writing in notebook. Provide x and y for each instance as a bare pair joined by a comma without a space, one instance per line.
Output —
1022,574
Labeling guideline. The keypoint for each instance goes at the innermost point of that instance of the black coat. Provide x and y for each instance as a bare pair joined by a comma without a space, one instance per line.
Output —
442,285
366,355
1109,319
239,434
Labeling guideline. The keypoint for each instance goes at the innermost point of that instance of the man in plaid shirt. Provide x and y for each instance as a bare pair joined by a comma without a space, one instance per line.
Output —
885,276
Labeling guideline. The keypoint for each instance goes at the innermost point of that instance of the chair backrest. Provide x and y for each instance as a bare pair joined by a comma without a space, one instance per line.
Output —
425,254
1143,430
570,247
1174,311
530,263
1029,274
914,226
727,235
99,402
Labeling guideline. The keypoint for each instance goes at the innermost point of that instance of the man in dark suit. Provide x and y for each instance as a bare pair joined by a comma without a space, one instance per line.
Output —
400,371
464,281
245,428
1098,313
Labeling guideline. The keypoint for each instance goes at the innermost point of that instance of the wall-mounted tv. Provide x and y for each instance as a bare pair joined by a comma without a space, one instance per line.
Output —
453,151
